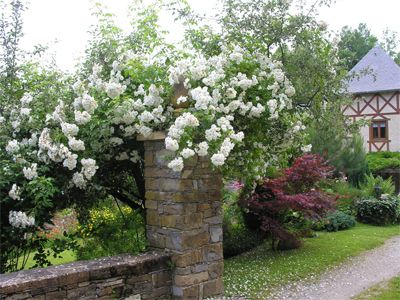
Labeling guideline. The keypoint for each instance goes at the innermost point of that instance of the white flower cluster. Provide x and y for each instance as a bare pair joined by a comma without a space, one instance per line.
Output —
89,169
76,145
237,97
178,128
30,172
69,130
70,161
12,147
224,99
116,84
50,150
139,116
58,113
306,148
15,192
19,219
87,103
20,114
82,117
201,97
299,126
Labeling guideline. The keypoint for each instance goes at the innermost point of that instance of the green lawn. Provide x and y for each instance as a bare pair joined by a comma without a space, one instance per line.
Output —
67,256
387,290
255,273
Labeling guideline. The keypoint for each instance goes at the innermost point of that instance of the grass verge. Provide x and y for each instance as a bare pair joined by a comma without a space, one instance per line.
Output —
387,290
256,273
66,257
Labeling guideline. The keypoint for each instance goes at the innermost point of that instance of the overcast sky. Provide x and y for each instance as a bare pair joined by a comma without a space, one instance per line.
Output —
68,21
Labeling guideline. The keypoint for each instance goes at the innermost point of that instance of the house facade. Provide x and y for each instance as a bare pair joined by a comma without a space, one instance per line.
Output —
375,88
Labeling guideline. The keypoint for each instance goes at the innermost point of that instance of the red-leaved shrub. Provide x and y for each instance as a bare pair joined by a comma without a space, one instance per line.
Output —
296,190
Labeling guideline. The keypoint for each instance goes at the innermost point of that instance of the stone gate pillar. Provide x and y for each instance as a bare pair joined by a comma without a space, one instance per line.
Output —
184,217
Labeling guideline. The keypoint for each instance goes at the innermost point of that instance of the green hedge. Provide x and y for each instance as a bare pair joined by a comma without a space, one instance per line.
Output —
339,221
378,161
378,211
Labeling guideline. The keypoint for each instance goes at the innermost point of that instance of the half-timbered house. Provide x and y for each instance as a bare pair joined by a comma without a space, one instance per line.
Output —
375,88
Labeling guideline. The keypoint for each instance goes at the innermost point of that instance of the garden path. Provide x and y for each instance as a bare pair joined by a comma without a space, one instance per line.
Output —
348,279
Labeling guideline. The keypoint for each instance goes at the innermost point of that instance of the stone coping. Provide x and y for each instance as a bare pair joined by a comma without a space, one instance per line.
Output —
83,271
154,136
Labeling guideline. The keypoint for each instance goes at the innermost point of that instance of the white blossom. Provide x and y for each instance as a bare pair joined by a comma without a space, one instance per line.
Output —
224,123
30,172
202,98
88,103
58,153
237,136
231,93
306,148
79,180
237,55
226,147
69,129
171,144
272,105
19,219
213,133
129,117
82,118
140,90
89,167
176,164
12,146
26,99
58,113
71,161
15,192
218,159
181,99
202,149
256,111
25,111
290,91
76,145
187,152
145,131
146,117
183,121
114,89
278,75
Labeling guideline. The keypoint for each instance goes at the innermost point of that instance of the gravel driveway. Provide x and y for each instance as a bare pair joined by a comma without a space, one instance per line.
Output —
349,279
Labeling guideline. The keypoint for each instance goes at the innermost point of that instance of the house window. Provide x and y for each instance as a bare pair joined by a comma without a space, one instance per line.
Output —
379,130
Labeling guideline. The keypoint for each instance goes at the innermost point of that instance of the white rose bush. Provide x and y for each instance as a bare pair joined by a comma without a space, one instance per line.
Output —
69,140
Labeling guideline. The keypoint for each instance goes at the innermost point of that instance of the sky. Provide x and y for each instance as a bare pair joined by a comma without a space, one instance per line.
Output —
64,24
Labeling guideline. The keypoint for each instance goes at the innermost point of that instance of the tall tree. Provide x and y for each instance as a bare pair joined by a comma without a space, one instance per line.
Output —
355,43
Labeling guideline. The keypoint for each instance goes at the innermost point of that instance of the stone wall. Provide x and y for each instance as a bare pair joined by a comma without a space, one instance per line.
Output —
184,217
146,276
